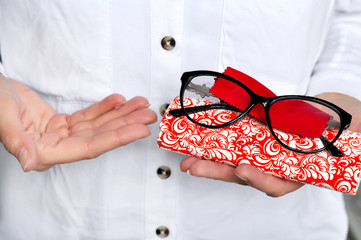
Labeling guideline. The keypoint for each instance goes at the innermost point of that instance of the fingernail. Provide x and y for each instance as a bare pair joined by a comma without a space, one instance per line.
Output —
24,158
241,177
189,172
119,105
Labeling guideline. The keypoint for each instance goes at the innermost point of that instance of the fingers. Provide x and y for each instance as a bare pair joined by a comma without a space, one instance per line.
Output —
97,109
113,139
271,185
244,174
143,116
123,113
78,148
133,105
209,169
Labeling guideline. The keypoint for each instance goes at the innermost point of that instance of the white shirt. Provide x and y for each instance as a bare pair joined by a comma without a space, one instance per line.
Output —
76,52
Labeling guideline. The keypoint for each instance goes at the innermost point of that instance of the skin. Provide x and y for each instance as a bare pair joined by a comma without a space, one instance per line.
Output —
40,138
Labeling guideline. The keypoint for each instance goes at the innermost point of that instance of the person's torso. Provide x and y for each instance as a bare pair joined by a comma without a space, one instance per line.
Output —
77,52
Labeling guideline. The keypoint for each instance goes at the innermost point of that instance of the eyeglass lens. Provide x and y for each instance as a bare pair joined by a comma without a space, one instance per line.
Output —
307,121
199,92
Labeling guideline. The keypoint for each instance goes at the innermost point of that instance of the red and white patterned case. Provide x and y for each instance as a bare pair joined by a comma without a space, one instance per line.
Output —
250,141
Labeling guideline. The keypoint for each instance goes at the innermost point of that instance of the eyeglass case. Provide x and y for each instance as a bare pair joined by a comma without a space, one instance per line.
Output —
250,141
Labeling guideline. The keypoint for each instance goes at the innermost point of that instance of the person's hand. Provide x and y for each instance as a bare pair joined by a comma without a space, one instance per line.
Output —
349,104
39,137
243,174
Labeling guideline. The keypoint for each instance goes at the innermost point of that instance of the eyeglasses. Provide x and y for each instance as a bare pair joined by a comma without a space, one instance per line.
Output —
310,120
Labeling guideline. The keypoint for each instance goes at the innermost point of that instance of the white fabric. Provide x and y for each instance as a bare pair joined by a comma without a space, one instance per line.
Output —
1,66
76,52
339,66
1,69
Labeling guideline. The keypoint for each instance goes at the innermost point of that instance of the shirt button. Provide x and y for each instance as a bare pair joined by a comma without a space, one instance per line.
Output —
163,108
168,43
163,172
162,232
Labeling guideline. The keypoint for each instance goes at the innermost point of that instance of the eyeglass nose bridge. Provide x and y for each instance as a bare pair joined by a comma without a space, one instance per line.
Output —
259,99
256,100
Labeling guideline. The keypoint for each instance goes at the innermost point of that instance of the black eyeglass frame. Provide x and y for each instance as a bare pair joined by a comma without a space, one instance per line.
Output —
266,102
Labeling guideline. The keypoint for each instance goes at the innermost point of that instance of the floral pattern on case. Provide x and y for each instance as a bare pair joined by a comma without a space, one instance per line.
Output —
250,141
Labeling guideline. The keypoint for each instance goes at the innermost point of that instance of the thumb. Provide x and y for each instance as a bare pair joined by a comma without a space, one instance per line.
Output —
19,143
271,185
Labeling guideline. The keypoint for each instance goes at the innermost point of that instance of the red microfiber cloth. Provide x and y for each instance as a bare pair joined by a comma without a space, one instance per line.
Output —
283,116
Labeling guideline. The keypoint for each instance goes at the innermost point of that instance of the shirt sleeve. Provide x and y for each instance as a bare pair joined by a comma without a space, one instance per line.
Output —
2,70
339,66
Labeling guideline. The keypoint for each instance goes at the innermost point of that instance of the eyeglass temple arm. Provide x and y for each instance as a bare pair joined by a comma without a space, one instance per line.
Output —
334,151
180,112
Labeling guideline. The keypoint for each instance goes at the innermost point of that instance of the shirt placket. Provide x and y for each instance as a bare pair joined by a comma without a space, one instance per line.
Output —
162,167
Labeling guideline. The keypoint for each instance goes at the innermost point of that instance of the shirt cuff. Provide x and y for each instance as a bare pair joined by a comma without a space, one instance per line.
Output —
348,83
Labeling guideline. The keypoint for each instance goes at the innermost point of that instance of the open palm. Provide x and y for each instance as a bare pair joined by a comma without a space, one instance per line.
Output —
40,137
